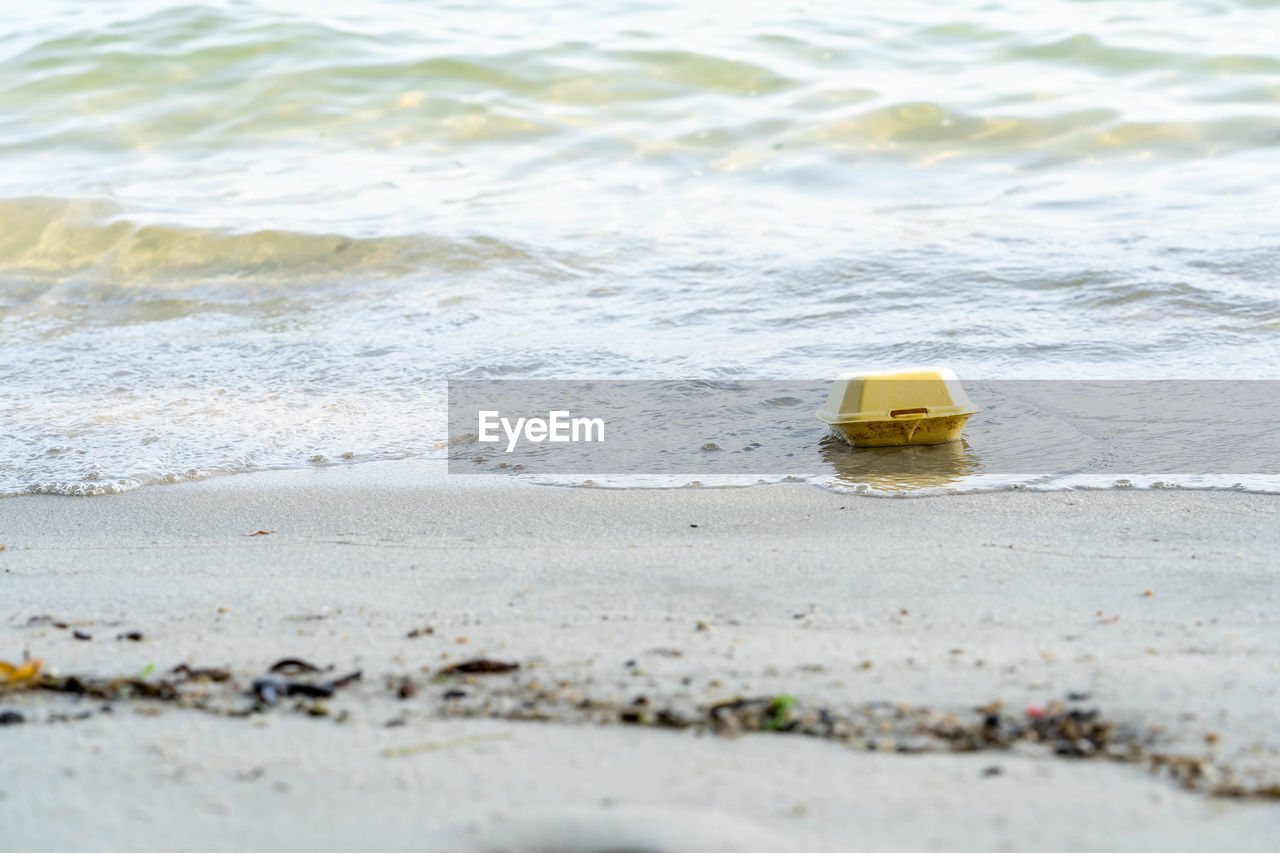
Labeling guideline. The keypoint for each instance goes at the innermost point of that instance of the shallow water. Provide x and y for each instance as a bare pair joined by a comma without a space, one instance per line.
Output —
1040,434
250,235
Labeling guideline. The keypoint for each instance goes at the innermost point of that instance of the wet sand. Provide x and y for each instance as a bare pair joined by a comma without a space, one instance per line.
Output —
1155,609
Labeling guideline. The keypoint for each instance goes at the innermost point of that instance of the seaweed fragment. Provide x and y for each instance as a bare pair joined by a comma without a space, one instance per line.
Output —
46,619
350,677
293,665
201,673
109,689
480,666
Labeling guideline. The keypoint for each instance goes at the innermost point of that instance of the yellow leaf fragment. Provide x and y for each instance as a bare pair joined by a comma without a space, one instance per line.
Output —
12,675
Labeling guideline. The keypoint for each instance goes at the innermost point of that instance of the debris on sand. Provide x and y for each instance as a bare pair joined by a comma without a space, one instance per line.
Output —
108,689
284,681
483,688
201,673
46,619
1073,733
269,691
19,675
293,665
480,666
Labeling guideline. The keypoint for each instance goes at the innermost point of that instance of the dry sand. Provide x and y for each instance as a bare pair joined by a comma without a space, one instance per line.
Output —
1161,607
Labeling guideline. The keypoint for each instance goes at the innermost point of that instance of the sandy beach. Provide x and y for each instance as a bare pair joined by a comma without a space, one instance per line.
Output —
1156,610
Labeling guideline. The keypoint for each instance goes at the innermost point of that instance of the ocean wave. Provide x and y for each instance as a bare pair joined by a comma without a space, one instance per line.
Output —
66,250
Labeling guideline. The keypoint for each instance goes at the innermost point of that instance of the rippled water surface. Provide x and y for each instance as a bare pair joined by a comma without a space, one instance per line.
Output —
260,234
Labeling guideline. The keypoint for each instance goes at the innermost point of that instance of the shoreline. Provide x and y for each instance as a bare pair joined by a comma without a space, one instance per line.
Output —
413,471
1022,598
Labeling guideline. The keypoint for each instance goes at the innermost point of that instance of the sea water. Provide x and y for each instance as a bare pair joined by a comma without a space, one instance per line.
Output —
246,235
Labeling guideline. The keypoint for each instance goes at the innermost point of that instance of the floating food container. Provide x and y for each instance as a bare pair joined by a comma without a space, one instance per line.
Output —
921,406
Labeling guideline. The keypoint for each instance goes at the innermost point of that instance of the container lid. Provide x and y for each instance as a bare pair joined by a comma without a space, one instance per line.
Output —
923,392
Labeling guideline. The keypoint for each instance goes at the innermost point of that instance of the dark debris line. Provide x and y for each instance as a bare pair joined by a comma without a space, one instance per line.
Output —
484,688
1070,733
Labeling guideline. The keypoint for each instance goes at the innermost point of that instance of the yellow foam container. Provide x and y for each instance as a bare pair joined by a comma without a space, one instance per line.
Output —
921,406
